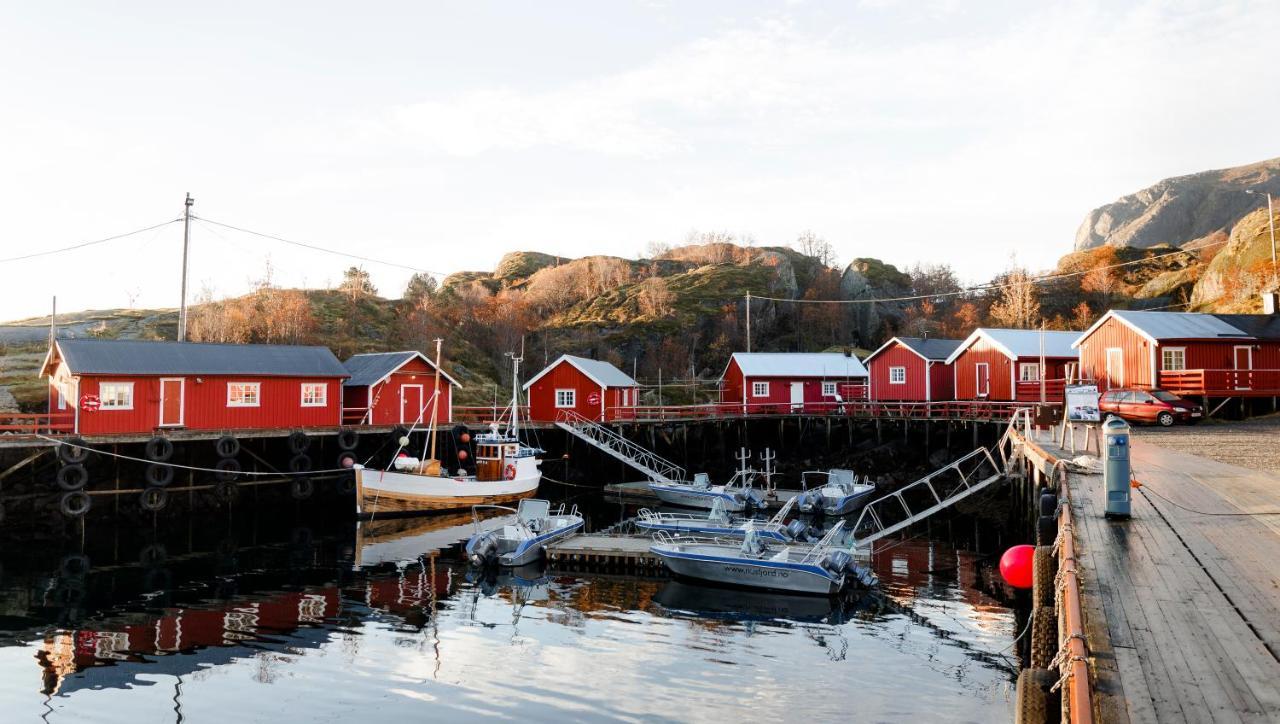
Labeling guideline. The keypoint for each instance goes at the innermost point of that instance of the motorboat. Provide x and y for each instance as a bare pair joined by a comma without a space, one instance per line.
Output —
406,539
719,523
841,494
735,496
506,470
524,540
820,568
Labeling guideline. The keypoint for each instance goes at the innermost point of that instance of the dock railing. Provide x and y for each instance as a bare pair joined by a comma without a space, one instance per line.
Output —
1222,383
24,423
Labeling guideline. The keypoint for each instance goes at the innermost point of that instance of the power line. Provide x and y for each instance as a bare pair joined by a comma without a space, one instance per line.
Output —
84,244
315,247
989,287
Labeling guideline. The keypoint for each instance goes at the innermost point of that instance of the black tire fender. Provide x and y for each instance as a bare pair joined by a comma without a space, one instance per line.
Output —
159,475
299,442
75,504
153,499
73,450
159,449
348,439
72,477
227,446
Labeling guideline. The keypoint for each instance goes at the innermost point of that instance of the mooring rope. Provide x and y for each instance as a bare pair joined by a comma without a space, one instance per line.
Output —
1145,489
190,467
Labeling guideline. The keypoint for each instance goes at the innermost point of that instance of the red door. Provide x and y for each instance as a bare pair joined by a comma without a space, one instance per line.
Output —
982,383
171,392
411,404
1244,363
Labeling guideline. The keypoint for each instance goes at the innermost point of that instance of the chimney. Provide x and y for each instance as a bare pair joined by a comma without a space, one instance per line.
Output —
1271,302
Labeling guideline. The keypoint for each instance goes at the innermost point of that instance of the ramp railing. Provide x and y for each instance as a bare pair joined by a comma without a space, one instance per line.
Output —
657,468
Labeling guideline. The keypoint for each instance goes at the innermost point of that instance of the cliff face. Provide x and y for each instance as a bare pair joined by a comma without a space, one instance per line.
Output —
1182,210
1233,279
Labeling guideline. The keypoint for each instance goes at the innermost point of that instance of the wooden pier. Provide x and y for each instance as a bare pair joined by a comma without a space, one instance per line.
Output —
1181,609
604,551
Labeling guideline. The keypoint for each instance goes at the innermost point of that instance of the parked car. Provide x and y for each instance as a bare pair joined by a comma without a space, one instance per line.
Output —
1156,406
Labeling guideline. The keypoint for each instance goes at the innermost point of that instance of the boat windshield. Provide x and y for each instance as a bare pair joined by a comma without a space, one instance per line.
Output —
532,509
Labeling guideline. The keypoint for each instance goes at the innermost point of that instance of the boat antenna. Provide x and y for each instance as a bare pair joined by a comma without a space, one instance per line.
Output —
515,389
435,401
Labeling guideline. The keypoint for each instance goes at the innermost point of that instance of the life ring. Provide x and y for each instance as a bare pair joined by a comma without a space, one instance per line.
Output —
159,475
75,503
299,442
159,449
300,463
72,477
510,471
227,446
153,500
228,469
73,450
347,439
302,488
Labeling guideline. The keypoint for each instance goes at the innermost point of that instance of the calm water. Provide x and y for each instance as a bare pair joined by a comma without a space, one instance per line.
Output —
287,618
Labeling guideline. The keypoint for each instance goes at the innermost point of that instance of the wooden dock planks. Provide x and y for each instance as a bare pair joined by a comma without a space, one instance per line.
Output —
1190,603
602,550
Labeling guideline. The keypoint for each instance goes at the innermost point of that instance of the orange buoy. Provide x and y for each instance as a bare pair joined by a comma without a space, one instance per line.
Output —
465,437
462,454
1016,566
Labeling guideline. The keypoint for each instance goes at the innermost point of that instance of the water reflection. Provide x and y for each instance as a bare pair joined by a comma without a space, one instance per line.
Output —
283,623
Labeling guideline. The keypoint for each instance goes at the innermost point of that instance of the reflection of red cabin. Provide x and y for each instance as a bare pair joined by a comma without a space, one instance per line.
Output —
395,388
132,386
911,369
1004,364
1211,355
782,382
593,389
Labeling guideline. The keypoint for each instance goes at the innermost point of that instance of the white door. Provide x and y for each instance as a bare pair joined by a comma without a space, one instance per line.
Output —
982,381
1243,358
797,395
1115,367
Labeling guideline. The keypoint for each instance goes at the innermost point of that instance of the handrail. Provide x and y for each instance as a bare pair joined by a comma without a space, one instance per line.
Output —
655,466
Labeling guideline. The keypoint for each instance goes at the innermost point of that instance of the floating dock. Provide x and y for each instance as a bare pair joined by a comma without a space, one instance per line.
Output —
604,551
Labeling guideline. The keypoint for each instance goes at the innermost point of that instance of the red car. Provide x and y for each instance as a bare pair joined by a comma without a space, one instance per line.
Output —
1156,406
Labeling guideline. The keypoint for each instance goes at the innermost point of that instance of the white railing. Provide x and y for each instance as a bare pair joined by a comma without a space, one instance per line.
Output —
659,469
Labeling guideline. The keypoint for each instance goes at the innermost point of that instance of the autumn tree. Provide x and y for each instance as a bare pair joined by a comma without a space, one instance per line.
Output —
654,298
1018,303
420,287
812,245
357,284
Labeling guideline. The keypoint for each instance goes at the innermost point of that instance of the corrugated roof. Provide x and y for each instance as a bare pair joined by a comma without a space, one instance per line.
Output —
366,369
137,357
1259,326
1182,325
1026,342
930,348
602,373
799,364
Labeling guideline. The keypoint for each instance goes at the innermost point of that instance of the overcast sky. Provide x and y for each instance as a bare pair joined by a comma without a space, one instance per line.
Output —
445,135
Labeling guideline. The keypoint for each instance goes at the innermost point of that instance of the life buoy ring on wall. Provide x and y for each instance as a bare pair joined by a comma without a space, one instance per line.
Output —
510,471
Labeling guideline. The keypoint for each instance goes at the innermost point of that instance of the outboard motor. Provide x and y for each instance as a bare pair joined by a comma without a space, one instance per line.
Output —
797,530
482,549
837,562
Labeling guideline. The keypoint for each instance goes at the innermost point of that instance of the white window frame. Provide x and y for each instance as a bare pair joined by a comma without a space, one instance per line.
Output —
102,397
324,394
759,389
257,394
570,394
897,375
1166,352
829,389
1024,367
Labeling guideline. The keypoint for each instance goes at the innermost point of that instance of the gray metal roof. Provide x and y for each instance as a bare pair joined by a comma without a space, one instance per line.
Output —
930,348
602,373
1259,326
1026,342
373,367
1195,325
137,357
799,364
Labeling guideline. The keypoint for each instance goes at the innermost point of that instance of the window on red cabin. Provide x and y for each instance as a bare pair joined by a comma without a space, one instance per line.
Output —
315,394
897,375
244,394
828,389
566,398
115,395
759,389
1174,358
1029,372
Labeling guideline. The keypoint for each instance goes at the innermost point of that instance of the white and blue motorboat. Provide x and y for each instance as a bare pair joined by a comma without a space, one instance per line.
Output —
821,568
523,540
719,523
736,495
841,494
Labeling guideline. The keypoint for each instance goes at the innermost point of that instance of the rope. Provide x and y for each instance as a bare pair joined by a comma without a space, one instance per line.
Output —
188,467
1142,488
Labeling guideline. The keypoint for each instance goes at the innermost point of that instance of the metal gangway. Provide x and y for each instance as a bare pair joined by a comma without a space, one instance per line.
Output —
977,471
658,469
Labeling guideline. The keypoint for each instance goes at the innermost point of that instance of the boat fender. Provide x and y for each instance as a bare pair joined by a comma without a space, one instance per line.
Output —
300,463
72,477
302,488
347,439
299,442
227,446
159,449
346,460
159,475
153,500
510,471
1048,504
228,469
73,451
75,503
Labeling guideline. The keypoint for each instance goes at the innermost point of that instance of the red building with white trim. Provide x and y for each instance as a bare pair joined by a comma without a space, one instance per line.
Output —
395,388
133,386
593,389
911,369
781,382
1209,355
1004,364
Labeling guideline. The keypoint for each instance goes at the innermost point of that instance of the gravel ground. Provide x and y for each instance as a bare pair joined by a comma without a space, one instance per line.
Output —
1253,443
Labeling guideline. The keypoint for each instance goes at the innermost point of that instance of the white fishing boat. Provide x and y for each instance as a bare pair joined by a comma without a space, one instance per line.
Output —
841,494
821,568
402,539
735,496
506,470
719,523
525,539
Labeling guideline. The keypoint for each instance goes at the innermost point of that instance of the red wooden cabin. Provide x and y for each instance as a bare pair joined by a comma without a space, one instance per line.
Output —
132,386
1004,364
1208,355
593,389
395,388
911,369
782,382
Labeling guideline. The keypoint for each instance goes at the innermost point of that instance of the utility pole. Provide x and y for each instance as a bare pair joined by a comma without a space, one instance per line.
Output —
1271,220
53,322
748,321
186,243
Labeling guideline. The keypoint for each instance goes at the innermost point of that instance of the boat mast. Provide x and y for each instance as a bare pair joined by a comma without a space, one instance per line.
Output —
435,401
515,394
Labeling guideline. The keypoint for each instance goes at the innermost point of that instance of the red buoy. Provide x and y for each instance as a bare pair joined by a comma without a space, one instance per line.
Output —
465,437
1016,566
462,454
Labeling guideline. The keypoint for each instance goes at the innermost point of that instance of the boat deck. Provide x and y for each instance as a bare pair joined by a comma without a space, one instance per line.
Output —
640,493
1182,610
